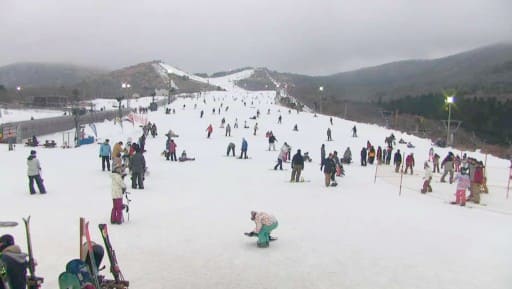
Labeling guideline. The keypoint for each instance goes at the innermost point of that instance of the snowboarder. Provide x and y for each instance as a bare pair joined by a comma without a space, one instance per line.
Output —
463,183
231,148
34,173
427,179
105,154
271,141
447,164
209,129
118,189
265,224
15,263
184,157
409,163
243,152
138,167
329,138
363,157
347,156
228,130
397,161
297,166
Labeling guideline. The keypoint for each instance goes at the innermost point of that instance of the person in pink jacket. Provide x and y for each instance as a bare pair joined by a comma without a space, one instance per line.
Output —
265,223
172,150
209,129
463,183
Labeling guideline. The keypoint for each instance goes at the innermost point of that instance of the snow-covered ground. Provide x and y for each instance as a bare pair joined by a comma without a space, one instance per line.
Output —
10,115
186,227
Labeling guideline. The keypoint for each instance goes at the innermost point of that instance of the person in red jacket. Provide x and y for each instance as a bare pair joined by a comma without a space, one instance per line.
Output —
409,163
172,150
209,129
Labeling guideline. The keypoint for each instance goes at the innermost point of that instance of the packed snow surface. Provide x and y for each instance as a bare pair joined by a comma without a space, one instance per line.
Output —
186,227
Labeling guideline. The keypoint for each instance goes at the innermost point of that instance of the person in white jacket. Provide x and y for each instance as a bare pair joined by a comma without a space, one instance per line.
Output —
427,179
118,188
34,174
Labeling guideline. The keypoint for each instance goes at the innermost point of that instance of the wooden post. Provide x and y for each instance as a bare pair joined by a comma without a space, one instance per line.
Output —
82,223
376,166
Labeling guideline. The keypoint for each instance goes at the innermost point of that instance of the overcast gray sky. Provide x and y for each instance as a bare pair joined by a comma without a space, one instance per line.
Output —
302,36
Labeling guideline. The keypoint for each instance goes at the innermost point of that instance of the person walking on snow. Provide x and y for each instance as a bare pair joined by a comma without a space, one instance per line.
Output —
329,138
409,163
243,152
272,142
265,224
209,129
329,168
282,155
354,131
463,183
297,166
34,174
447,164
105,155
138,167
255,128
363,157
118,188
397,161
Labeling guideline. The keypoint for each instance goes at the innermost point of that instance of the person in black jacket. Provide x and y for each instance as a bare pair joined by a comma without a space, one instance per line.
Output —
138,167
15,262
397,160
363,157
297,166
329,169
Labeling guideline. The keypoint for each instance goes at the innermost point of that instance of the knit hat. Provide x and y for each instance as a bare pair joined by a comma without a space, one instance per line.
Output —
6,241
32,152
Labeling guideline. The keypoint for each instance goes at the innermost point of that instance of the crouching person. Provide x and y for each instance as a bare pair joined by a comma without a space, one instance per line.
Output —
265,223
118,188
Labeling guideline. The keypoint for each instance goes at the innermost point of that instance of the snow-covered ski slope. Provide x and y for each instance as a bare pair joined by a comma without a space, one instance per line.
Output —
186,227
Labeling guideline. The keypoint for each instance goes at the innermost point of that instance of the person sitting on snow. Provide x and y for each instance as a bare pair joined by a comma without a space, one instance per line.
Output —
265,223
184,157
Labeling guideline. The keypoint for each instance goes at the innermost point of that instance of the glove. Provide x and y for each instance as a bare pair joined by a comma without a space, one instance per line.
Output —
250,234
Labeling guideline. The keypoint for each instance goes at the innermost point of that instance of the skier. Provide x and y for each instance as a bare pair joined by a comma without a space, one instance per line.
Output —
354,131
409,163
463,183
228,130
172,150
329,168
118,188
243,152
265,223
209,129
363,157
447,164
297,166
329,138
105,154
15,263
397,160
428,178
271,141
138,167
231,148
34,173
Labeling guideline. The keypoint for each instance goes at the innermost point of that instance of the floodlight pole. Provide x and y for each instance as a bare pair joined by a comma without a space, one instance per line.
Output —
449,101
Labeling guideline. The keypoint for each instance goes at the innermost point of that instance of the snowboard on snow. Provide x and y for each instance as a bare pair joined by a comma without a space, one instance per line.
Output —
80,270
8,224
272,238
69,281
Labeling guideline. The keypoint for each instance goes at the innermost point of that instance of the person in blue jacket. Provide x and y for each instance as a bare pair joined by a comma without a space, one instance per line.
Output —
244,149
105,154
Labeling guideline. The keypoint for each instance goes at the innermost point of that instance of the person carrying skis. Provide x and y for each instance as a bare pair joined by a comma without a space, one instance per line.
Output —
463,183
209,129
265,224
427,179
138,167
15,262
329,169
397,161
231,148
34,174
409,163
243,152
297,166
105,155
